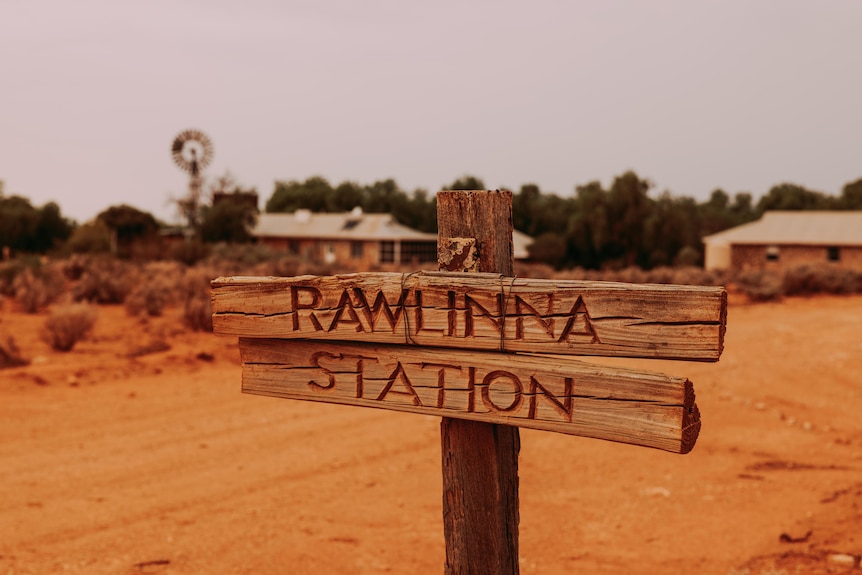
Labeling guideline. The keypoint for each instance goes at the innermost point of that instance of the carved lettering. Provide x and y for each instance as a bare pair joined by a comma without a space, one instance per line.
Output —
358,371
428,384
420,316
521,305
517,391
381,306
441,380
579,323
472,305
295,290
399,373
345,305
446,316
315,361
564,407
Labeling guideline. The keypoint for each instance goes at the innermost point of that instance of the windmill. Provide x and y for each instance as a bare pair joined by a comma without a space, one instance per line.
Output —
192,151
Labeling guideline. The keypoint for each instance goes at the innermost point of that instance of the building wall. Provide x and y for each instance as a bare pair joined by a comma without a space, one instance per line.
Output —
339,252
754,257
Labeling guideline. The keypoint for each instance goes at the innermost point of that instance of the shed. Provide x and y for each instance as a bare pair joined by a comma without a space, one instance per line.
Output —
786,238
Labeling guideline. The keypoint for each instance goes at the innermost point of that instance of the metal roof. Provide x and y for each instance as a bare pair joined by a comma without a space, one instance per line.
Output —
833,228
354,225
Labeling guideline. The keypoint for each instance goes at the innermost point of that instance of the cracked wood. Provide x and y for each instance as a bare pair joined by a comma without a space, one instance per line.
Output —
564,395
479,311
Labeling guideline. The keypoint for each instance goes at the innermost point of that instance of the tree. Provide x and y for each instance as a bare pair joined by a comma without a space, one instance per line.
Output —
26,228
128,225
230,220
312,194
91,238
466,182
628,209
851,196
232,214
588,228
788,196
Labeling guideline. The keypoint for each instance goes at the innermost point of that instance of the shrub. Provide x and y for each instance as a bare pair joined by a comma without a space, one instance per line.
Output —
821,278
760,285
190,252
12,269
67,325
157,287
10,355
105,280
197,308
35,288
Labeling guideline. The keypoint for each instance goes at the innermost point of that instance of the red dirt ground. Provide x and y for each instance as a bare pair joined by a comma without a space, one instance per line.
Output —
111,464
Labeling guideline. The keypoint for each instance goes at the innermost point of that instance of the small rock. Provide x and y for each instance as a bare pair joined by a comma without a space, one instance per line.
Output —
759,406
659,491
806,425
842,559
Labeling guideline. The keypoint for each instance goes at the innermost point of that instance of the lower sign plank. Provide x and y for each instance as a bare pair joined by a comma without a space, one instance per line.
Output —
540,392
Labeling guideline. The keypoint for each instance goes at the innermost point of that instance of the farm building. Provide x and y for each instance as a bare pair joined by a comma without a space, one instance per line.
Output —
354,237
787,238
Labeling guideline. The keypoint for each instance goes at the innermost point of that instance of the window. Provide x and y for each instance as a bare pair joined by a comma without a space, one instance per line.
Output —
293,247
418,252
328,254
387,252
833,254
356,250
772,254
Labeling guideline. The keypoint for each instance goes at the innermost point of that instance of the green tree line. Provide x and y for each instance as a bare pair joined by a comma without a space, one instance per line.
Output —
597,227
621,225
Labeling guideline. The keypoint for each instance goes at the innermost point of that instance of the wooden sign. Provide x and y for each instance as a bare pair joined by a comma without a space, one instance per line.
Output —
539,392
487,352
478,311
321,338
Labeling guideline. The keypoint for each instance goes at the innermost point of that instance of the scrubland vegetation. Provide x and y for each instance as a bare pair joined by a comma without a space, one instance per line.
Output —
55,267
68,290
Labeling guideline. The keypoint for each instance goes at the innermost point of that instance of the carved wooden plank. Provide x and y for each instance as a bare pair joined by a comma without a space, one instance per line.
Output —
479,311
564,395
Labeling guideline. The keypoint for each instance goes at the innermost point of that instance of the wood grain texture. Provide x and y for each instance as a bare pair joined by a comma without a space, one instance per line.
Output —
559,394
480,460
479,311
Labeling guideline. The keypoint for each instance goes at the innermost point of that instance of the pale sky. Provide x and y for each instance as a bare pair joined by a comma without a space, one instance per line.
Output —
693,95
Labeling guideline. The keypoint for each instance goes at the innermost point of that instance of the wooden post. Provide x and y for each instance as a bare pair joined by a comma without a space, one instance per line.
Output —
480,460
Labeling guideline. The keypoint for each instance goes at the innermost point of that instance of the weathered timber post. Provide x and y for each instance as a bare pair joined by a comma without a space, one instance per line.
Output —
480,460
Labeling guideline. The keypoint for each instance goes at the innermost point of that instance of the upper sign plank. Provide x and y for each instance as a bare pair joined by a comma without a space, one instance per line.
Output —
478,311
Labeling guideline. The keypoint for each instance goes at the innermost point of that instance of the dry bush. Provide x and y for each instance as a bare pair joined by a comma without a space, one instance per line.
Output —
197,308
11,269
155,344
35,288
105,280
68,324
821,277
760,285
159,284
10,355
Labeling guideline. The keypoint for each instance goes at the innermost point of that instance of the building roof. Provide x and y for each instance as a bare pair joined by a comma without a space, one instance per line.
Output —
832,228
521,242
354,225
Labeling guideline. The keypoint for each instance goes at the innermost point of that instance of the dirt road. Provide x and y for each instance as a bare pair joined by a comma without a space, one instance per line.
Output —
114,464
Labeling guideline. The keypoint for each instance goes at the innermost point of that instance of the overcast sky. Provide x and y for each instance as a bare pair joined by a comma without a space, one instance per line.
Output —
693,95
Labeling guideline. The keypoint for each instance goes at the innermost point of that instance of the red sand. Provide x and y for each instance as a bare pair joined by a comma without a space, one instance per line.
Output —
158,464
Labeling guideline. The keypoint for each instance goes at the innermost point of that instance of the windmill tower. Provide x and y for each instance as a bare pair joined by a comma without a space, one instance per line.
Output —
192,151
